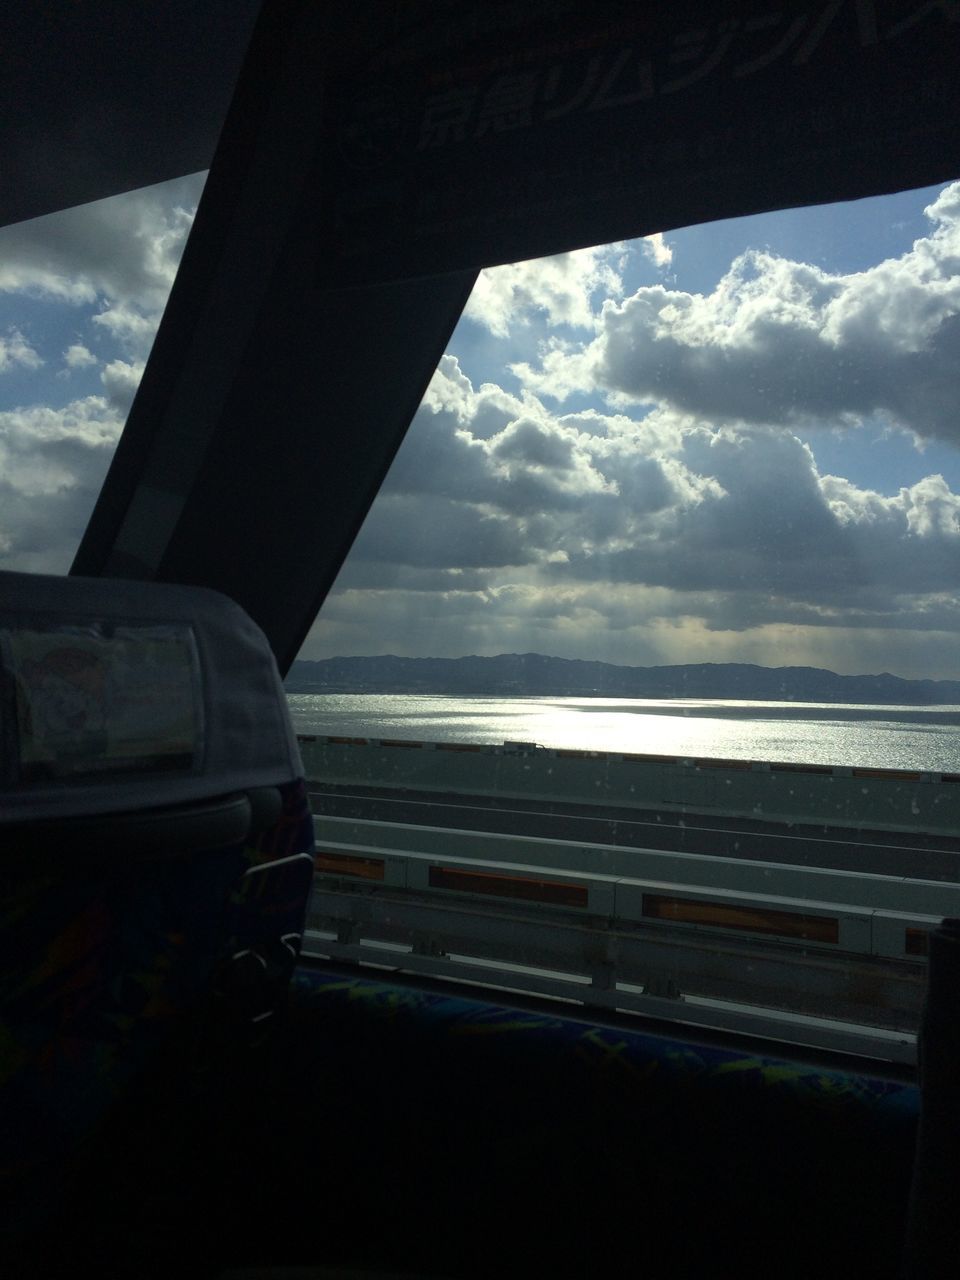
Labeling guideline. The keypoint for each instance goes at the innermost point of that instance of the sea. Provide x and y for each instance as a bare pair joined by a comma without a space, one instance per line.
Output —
876,737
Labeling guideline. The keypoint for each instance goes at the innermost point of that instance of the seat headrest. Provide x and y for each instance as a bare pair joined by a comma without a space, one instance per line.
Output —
117,696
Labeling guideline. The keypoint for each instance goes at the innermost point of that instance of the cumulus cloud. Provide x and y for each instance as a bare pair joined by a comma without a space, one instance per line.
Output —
930,509
16,350
786,342
780,542
132,326
558,290
110,263
52,463
77,356
566,480
121,379
605,522
657,250
125,249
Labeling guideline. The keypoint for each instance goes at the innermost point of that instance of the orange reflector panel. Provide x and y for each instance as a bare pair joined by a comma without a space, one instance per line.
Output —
785,924
917,942
788,767
723,764
348,864
348,742
903,775
646,759
555,892
399,742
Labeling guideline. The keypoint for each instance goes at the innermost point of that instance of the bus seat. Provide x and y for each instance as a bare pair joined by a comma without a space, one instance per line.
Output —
156,847
933,1223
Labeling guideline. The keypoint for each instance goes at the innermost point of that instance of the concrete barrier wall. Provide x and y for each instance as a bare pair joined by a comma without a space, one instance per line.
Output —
893,800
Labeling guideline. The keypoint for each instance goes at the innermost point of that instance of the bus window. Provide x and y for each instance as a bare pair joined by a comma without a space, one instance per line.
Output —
667,561
81,294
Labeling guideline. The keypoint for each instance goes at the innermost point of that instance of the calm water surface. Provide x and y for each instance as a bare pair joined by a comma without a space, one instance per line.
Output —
808,732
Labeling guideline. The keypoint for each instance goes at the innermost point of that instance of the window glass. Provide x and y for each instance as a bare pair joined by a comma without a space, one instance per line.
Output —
729,450
655,619
81,295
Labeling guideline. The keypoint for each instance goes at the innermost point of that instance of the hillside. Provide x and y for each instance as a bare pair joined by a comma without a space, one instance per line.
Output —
533,674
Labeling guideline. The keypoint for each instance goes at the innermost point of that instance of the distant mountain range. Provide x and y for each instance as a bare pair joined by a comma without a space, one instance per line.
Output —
533,674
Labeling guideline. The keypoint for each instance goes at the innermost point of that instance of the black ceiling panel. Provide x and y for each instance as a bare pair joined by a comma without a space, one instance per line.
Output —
103,96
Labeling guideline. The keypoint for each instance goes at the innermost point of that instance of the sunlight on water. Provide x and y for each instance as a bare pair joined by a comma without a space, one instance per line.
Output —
813,733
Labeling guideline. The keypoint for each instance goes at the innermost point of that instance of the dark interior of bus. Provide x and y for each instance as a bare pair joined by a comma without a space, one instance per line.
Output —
374,1123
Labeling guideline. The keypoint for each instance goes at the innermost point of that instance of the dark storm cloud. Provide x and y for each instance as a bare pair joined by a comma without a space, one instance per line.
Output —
867,610
775,526
734,515
429,532
535,445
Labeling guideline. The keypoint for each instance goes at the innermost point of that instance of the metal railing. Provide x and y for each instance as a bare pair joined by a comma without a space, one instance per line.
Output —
810,956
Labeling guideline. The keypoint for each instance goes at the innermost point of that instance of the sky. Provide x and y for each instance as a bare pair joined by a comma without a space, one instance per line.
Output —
728,443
